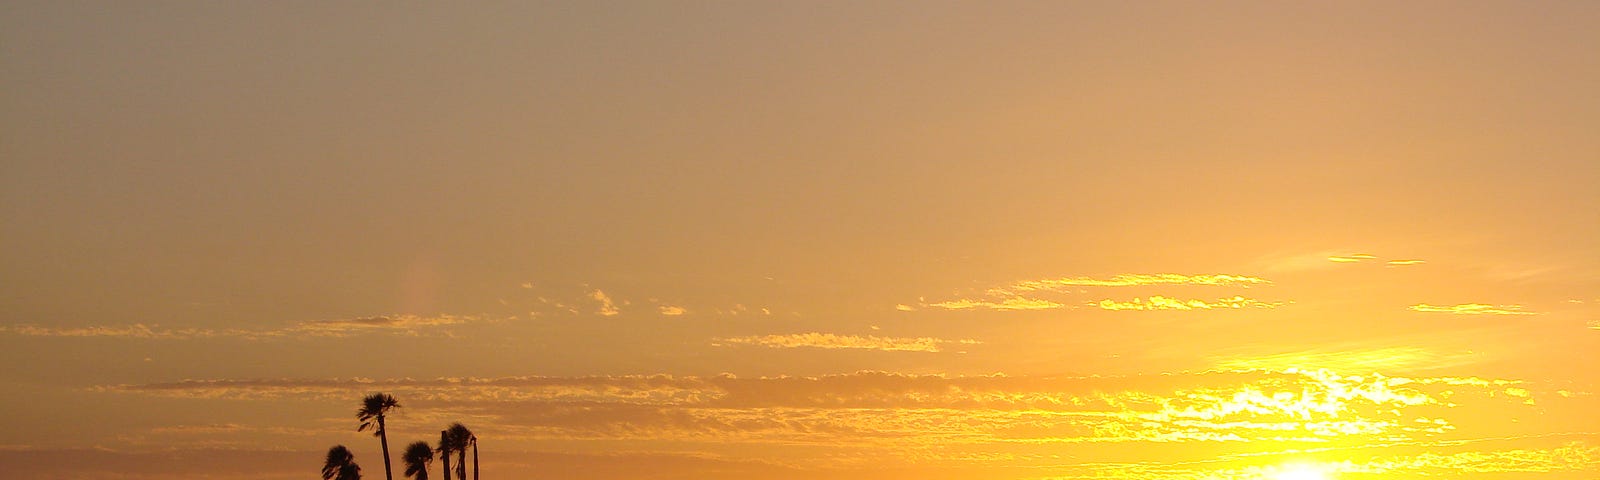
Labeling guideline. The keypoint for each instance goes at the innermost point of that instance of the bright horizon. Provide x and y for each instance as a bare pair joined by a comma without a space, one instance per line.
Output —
785,240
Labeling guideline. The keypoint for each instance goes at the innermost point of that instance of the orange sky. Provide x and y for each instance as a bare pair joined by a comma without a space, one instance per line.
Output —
784,240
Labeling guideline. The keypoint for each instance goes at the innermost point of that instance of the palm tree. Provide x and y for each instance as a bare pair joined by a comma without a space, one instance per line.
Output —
375,406
445,449
474,457
341,465
460,437
416,458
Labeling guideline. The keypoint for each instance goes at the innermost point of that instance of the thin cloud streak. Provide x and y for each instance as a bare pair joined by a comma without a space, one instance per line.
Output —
1009,304
1354,258
1024,295
406,325
1159,302
1471,309
832,341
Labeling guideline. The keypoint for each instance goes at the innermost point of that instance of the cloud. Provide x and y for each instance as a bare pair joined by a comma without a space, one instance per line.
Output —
672,310
832,341
607,307
1350,358
1164,303
401,324
904,308
137,330
1014,303
409,325
1472,309
1025,294
1326,259
901,411
1354,258
1136,279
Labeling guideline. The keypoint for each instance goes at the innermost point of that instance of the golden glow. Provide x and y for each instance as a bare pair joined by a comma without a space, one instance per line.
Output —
889,239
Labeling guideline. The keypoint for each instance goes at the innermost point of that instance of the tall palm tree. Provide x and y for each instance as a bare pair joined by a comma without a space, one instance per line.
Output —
416,459
341,465
445,450
460,437
474,457
374,407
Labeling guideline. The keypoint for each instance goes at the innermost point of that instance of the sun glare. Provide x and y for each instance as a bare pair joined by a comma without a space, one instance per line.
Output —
1301,472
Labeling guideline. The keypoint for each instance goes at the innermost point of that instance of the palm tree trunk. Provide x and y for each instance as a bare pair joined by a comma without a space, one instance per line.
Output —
383,437
446,456
474,458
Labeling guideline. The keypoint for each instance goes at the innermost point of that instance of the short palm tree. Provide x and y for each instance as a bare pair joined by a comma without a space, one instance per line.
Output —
373,409
416,458
341,465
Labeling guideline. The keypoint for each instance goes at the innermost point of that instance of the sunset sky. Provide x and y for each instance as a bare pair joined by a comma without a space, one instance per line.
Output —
803,240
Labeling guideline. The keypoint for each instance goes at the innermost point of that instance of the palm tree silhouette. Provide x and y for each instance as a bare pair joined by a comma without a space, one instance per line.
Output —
416,459
474,457
375,406
341,465
460,437
445,449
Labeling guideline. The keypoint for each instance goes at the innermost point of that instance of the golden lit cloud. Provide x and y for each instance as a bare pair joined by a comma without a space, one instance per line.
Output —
1024,295
672,310
1014,303
904,411
1133,280
1359,257
607,306
832,341
1165,303
1405,262
1472,309
1356,358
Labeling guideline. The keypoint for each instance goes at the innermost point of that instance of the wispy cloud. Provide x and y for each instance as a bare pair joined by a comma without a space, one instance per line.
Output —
1165,303
137,330
1352,258
832,341
672,310
1350,358
1026,294
1327,259
607,306
402,324
1013,303
881,408
410,325
1134,279
1472,309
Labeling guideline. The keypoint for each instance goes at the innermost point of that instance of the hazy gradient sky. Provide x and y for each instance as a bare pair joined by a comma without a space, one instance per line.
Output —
975,240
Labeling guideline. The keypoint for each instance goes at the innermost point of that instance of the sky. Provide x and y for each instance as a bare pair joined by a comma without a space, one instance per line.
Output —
783,240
